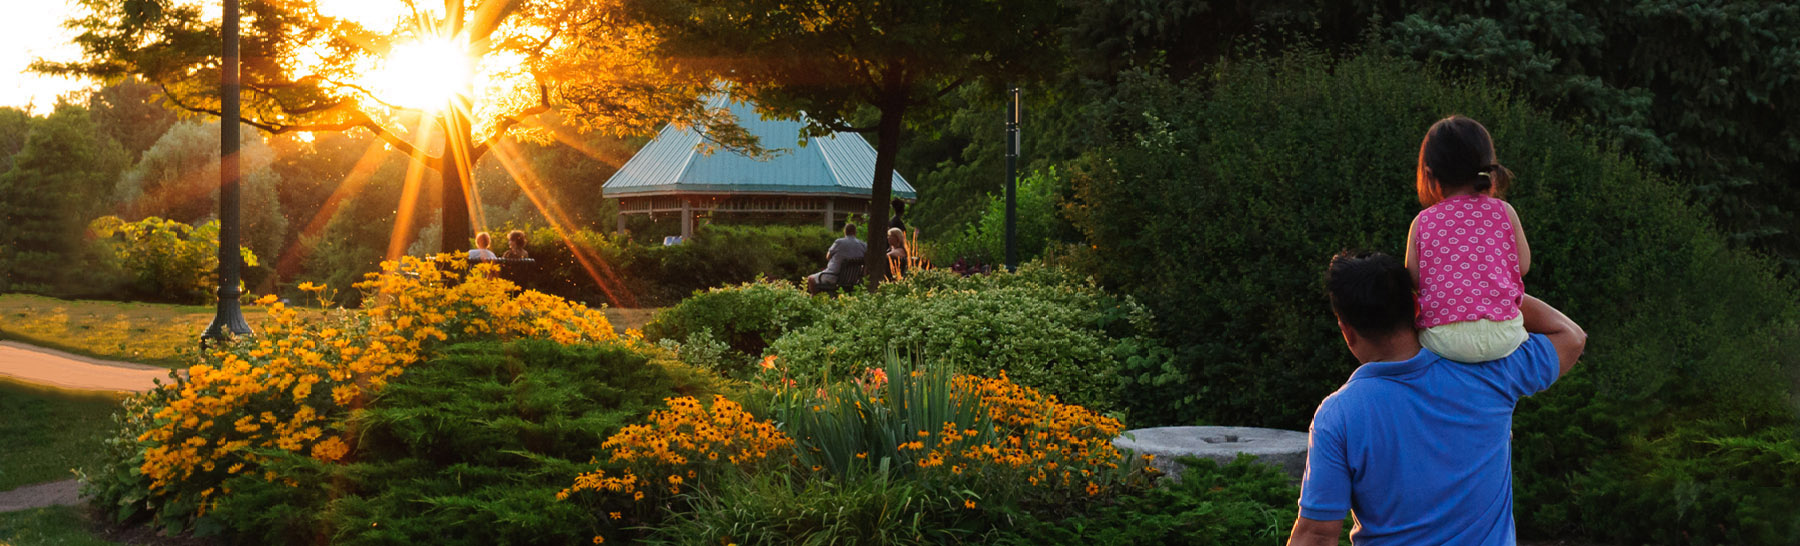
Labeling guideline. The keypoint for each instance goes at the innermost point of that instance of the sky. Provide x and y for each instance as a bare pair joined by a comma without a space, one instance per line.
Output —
26,34
33,29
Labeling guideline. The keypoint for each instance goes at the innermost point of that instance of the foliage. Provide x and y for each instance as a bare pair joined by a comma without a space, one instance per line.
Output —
984,240
291,389
893,58
178,178
309,69
1238,503
686,445
956,434
586,266
1046,328
1707,101
746,318
55,182
1280,151
49,432
166,259
469,448
781,509
1705,104
928,440
1704,483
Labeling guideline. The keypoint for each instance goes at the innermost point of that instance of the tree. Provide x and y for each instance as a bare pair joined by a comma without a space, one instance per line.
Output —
178,179
826,59
58,181
131,112
304,70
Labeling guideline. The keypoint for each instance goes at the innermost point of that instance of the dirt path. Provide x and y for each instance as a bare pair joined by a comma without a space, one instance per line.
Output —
48,367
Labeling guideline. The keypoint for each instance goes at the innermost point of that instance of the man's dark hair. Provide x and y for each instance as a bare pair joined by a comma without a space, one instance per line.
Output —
849,229
1371,292
899,206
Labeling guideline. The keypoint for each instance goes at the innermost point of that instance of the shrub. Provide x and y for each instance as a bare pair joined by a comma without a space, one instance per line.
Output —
166,259
1036,222
1219,207
1046,328
963,441
746,317
1008,444
470,447
779,509
1241,503
288,392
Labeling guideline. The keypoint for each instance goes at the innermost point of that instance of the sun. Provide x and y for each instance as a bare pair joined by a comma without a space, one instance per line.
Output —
423,74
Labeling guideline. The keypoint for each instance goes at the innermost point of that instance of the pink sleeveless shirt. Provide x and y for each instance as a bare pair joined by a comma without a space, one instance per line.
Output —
1468,262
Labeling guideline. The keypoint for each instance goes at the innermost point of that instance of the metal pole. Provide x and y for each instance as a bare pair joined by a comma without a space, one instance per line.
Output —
1012,181
229,320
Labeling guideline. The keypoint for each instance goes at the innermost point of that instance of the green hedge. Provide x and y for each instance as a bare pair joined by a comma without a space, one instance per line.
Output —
745,318
1045,327
623,273
1219,206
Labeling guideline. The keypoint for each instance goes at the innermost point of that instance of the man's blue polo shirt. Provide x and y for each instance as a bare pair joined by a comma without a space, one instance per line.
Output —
1421,450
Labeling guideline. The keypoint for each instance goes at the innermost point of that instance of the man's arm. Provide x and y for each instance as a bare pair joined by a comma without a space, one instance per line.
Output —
1312,532
1568,338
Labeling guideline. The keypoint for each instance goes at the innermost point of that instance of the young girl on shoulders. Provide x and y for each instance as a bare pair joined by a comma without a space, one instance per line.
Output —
1466,250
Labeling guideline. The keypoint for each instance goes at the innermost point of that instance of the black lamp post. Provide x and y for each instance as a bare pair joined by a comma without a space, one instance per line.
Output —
1012,180
229,320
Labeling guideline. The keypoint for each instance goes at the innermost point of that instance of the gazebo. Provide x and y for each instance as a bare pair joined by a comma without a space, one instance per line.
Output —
828,176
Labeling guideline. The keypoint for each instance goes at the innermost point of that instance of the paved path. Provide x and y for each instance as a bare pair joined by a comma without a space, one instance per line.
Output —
54,368
48,367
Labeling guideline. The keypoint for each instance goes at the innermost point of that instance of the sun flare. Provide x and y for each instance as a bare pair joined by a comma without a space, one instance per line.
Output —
424,74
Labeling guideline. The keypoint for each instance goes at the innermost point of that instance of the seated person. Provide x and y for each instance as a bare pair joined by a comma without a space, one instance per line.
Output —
842,251
515,246
896,253
481,252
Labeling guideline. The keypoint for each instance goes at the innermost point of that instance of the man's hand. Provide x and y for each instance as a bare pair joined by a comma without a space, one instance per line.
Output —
1570,340
1312,532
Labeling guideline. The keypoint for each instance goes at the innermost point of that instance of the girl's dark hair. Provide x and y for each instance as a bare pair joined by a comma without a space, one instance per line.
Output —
1459,153
516,237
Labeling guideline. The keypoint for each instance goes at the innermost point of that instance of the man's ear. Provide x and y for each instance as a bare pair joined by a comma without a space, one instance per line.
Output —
1350,337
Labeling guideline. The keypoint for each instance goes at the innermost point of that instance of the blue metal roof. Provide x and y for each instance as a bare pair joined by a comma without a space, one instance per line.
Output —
839,164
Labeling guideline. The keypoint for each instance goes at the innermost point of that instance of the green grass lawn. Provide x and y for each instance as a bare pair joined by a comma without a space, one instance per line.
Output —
148,333
46,432
51,526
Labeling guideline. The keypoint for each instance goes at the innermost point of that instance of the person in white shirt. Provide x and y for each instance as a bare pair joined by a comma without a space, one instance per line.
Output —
481,252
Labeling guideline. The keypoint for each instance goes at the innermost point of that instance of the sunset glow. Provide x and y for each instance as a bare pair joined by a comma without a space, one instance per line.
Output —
424,74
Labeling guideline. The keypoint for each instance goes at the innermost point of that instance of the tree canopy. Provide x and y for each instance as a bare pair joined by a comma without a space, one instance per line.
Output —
830,59
307,70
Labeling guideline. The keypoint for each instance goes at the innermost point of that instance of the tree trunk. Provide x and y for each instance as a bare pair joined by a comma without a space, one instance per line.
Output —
887,148
454,172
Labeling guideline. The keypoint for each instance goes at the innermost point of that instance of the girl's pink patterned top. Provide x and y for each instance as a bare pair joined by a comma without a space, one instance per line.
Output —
1468,262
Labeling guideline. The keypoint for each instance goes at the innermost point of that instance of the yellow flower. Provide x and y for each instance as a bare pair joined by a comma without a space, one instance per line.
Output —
969,503
599,539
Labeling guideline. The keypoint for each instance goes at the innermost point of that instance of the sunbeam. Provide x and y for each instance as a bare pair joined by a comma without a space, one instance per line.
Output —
296,252
528,183
409,195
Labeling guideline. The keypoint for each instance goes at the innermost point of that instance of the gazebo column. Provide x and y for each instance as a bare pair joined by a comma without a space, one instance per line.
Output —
830,212
687,219
621,218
